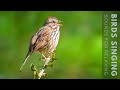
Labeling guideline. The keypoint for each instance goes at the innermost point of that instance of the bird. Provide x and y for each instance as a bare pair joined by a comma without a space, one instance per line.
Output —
45,40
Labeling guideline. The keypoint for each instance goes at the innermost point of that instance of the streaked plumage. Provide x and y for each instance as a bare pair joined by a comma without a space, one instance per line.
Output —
45,40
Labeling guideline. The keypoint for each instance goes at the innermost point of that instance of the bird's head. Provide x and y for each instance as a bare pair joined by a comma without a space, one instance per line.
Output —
53,20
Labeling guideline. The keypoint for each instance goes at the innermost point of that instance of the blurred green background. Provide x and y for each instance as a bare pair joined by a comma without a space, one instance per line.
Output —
79,52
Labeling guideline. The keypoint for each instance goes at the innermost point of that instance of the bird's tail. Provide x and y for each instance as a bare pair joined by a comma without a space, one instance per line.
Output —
27,56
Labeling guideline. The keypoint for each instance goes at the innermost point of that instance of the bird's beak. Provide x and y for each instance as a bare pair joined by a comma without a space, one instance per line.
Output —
59,23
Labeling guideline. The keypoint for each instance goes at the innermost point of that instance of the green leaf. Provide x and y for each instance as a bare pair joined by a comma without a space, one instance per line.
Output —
33,68
49,65
44,74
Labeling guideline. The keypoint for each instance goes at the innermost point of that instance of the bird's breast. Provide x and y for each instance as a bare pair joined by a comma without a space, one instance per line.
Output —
53,40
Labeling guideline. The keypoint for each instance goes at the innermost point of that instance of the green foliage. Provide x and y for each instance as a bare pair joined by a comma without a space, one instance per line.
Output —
35,71
79,52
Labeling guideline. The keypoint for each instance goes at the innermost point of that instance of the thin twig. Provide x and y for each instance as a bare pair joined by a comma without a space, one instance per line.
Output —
43,68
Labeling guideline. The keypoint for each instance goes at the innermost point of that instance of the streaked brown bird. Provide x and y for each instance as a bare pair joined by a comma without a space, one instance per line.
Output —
45,39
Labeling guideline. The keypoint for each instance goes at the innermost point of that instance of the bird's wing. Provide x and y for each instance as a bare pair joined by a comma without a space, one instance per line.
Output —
39,39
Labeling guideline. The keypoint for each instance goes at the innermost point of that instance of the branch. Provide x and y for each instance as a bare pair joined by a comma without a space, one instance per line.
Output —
41,73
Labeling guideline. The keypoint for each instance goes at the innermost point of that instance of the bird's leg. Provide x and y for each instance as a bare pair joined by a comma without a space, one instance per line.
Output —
43,57
47,60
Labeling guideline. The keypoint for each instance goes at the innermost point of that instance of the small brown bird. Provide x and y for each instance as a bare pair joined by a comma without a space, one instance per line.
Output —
45,39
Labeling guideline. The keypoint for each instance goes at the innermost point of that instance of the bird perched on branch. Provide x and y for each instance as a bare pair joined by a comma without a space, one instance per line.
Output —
45,39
